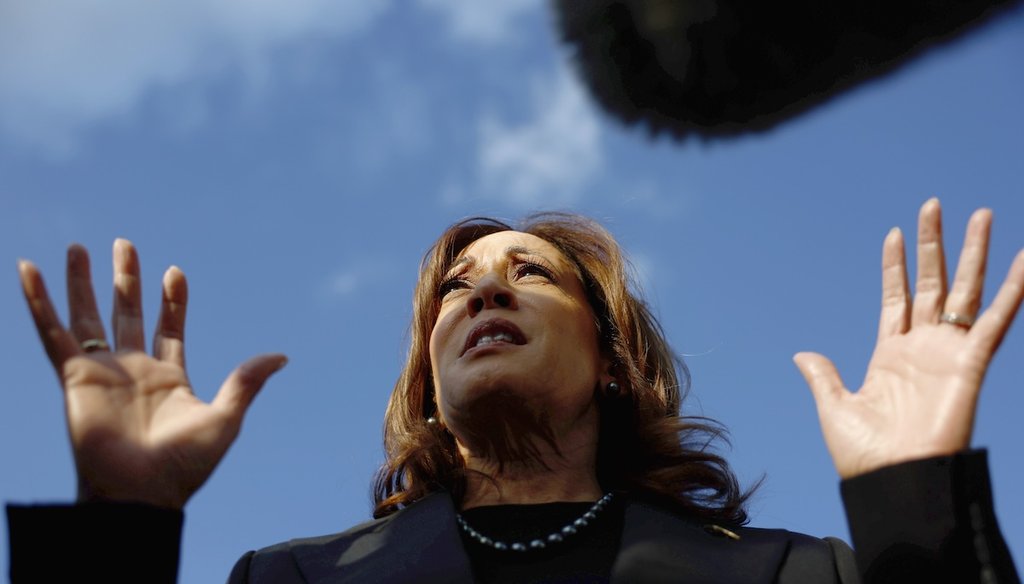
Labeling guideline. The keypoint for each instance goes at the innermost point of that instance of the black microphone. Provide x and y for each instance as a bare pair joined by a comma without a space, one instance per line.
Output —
722,67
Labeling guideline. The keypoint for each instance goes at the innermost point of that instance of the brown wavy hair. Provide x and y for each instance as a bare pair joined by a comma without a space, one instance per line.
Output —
646,448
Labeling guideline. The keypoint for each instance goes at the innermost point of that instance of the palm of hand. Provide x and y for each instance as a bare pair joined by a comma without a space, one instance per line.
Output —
136,427
918,398
137,431
921,389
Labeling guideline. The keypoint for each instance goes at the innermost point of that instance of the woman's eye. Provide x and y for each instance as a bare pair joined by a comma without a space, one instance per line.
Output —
450,285
532,269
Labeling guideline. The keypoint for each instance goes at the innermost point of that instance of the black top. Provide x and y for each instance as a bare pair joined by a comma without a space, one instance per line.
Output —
586,556
928,520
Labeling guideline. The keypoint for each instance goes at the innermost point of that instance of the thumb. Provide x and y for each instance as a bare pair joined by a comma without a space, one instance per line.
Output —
821,375
245,382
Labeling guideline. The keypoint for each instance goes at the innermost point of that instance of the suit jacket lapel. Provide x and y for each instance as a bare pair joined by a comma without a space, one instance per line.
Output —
421,543
658,546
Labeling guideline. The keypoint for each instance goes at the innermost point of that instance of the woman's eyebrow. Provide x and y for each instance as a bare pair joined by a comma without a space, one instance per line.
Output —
454,267
517,250
510,251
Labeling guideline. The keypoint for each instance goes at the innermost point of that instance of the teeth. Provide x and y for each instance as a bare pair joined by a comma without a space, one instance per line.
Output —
498,338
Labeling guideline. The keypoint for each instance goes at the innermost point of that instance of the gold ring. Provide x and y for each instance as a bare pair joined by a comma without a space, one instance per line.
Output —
957,319
90,345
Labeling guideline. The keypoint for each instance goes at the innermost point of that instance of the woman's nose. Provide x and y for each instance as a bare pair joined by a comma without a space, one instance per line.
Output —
491,292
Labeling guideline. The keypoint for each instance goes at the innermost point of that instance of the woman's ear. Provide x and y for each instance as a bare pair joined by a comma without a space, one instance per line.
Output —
609,384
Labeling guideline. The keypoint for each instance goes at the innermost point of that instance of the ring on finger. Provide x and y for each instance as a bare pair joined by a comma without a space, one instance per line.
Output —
90,345
957,319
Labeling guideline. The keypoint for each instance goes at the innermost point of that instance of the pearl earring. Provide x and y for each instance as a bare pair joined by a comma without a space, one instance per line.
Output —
614,389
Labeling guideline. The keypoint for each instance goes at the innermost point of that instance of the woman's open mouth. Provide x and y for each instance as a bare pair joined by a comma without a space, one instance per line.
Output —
493,332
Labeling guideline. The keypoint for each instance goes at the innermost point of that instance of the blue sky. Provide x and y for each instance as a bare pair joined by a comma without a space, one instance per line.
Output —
296,161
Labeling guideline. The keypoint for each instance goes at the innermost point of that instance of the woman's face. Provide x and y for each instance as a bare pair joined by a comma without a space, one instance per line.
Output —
515,320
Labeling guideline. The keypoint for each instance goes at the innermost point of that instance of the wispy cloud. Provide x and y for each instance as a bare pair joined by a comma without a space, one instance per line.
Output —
643,270
645,195
66,64
397,125
548,159
359,276
487,22
344,282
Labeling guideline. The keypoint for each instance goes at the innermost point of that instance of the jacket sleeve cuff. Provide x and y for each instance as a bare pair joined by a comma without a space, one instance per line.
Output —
929,520
95,542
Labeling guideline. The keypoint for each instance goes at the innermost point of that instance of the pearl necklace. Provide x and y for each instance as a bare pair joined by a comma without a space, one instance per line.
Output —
555,537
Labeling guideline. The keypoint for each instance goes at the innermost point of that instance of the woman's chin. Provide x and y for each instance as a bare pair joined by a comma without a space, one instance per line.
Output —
495,384
498,422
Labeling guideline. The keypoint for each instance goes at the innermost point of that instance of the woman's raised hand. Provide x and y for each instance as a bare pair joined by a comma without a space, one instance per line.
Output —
921,389
137,431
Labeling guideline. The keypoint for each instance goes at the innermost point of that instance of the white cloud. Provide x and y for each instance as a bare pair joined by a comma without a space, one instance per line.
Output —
65,64
396,126
486,22
643,270
645,195
548,159
360,275
344,283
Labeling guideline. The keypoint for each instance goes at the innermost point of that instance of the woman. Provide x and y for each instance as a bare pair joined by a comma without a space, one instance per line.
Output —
534,433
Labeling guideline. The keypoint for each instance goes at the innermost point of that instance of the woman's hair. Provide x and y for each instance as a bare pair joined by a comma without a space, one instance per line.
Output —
646,448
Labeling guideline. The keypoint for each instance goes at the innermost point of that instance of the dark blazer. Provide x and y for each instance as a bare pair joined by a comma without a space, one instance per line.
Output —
421,543
923,521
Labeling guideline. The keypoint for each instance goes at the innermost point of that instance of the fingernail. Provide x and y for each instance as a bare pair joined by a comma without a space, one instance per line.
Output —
893,231
121,244
172,271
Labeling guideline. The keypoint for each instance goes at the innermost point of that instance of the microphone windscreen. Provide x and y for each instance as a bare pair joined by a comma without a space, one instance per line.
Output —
720,67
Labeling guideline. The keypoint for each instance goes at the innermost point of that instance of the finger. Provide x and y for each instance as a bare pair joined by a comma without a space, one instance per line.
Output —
85,317
988,332
127,317
895,317
821,376
930,290
57,341
169,338
245,382
965,295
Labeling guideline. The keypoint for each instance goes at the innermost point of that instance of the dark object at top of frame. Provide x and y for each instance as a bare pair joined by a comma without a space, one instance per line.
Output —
721,67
